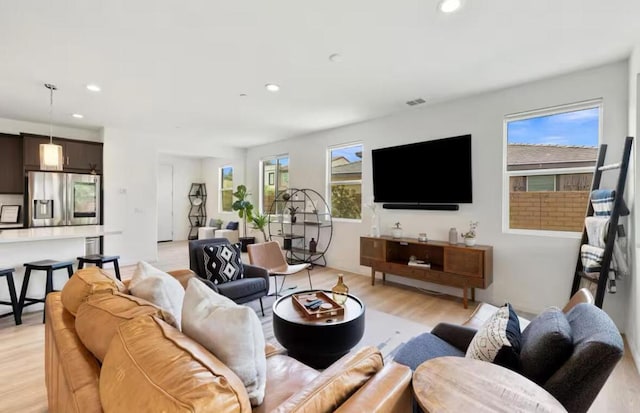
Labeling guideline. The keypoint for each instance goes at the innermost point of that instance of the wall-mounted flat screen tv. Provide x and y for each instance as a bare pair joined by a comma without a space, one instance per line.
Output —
431,172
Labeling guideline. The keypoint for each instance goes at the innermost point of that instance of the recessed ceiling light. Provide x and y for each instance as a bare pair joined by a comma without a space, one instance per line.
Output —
335,58
449,6
77,116
243,95
93,87
272,87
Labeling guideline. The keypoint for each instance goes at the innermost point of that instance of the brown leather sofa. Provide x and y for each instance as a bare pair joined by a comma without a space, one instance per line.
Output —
108,351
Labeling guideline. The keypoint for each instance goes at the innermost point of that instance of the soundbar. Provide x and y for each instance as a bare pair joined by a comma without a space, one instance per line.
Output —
428,207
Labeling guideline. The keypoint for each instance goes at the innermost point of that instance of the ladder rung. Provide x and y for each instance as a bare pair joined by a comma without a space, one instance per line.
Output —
610,166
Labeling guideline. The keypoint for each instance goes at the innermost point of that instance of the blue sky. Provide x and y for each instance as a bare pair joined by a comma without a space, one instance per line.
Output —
578,128
349,153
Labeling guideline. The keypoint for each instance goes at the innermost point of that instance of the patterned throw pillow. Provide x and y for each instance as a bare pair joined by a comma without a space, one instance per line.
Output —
222,262
498,340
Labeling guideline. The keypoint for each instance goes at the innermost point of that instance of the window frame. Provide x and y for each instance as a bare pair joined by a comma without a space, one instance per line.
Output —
276,178
506,175
349,182
221,189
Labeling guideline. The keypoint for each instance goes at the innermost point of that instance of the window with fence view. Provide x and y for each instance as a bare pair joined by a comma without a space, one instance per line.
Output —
346,181
550,160
275,180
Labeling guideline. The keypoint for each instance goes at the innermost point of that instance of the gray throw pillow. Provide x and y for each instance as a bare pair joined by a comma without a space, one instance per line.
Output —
547,344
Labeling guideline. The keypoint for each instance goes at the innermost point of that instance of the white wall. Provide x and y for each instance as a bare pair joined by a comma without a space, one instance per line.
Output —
185,172
211,172
532,272
633,320
130,186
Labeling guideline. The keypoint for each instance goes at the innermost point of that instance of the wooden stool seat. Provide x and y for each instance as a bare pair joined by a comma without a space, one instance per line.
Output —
100,260
43,265
15,309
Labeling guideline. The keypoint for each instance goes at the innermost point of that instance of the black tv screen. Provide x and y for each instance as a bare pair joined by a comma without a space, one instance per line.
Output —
431,172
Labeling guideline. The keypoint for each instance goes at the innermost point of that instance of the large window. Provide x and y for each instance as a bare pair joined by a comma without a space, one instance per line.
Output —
226,189
275,179
550,158
345,181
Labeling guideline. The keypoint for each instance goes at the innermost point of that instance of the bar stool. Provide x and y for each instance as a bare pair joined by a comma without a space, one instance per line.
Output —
8,272
100,260
45,265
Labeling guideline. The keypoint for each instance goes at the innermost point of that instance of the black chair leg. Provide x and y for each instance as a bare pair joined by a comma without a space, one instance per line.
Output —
23,290
99,264
70,271
261,307
80,264
116,267
17,317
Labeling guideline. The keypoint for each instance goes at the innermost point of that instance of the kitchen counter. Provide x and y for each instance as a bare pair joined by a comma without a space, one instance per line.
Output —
53,233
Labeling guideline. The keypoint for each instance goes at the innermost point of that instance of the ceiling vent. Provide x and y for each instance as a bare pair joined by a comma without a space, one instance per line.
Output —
414,102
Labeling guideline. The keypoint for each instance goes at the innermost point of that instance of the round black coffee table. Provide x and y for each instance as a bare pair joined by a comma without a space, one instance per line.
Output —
318,343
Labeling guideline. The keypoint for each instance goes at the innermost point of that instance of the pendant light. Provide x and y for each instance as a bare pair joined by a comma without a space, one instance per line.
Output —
50,154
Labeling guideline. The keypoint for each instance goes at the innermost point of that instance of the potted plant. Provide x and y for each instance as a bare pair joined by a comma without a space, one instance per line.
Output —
292,212
396,231
244,207
470,236
260,222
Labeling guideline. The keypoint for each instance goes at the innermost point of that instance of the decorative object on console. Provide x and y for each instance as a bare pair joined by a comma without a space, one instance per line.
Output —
498,340
375,220
244,207
340,291
422,237
470,236
396,231
453,236
51,158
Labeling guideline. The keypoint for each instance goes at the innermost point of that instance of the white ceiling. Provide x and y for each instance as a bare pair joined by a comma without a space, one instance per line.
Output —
178,67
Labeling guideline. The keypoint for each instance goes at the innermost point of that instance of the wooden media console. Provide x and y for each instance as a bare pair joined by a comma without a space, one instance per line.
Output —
452,265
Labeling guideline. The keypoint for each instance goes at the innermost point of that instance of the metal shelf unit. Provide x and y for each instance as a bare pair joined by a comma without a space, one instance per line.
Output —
198,208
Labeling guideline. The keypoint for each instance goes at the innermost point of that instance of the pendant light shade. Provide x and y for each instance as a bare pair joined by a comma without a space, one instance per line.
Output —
50,154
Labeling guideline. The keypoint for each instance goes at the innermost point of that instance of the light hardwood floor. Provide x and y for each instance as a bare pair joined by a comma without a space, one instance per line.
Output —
22,348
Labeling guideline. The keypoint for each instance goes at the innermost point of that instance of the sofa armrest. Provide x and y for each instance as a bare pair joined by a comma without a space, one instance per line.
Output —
251,271
456,335
387,391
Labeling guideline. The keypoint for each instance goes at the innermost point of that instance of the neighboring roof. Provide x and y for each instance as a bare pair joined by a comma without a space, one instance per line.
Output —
348,168
339,160
525,154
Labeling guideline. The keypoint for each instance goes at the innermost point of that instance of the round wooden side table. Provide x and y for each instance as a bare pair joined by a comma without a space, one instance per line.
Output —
459,384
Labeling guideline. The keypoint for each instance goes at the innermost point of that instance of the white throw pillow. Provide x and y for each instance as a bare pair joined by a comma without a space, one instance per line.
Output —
159,288
231,332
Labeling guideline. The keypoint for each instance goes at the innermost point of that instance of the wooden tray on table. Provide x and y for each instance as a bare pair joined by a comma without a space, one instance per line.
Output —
299,300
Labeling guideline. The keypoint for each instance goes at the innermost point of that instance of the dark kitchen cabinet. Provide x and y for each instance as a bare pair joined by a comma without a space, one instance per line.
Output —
11,171
79,156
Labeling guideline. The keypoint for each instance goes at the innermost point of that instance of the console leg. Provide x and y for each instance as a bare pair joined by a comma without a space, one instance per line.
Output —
473,295
464,297
384,278
373,276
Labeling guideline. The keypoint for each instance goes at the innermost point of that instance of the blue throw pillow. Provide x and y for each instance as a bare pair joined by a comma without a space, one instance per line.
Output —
232,225
222,262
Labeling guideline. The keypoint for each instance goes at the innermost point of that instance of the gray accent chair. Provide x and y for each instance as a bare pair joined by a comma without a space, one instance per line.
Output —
597,348
253,286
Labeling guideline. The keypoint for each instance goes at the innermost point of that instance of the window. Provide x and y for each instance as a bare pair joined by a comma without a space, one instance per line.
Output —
275,179
550,158
226,189
345,181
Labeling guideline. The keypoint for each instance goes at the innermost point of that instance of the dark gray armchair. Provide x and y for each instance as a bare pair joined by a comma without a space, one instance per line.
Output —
253,285
594,350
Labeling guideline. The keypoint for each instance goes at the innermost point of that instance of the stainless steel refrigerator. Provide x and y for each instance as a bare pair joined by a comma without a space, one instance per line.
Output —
58,199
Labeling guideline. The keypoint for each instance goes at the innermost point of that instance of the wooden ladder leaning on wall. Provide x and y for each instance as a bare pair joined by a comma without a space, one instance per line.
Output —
602,276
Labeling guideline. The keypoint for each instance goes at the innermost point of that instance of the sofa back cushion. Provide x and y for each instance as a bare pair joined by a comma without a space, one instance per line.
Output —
151,366
546,344
336,384
99,316
86,282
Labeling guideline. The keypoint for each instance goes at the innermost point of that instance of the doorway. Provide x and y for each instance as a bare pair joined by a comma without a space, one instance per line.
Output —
165,202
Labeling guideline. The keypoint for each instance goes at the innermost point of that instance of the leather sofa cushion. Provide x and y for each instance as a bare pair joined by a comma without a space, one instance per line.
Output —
336,384
98,318
285,377
151,366
86,282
